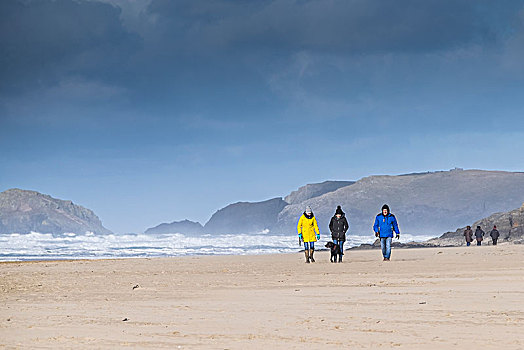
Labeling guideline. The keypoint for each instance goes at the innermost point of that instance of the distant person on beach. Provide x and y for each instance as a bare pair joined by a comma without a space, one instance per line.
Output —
338,227
308,233
494,235
384,227
468,233
479,235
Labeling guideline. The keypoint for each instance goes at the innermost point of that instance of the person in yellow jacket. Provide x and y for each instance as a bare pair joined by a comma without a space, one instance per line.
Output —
308,233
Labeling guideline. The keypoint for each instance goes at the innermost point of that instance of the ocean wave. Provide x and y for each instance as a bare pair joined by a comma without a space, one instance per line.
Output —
38,246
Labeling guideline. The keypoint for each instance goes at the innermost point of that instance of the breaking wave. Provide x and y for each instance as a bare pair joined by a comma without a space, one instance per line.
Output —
39,246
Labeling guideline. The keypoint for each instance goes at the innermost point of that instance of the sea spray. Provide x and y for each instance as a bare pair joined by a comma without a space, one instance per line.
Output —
37,246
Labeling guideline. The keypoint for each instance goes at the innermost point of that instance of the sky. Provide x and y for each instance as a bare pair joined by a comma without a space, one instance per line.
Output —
156,111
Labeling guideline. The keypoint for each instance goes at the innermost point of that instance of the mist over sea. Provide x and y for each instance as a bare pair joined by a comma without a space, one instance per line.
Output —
38,246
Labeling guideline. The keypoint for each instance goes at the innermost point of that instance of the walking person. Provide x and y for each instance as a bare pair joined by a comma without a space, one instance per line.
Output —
479,235
308,233
384,227
494,235
338,227
468,233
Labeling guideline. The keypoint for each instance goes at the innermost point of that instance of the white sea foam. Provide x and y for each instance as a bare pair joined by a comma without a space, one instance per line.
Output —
72,246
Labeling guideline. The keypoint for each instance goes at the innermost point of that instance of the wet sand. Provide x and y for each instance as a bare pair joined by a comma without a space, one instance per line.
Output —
433,298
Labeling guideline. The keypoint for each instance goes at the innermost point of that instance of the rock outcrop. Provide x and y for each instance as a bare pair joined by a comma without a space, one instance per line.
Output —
185,227
314,190
509,224
24,211
245,217
427,203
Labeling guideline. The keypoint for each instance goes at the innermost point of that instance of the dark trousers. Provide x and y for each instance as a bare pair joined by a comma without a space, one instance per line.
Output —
479,242
495,241
340,245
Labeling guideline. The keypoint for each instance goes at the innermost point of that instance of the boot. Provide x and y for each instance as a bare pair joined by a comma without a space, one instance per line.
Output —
311,254
306,252
340,258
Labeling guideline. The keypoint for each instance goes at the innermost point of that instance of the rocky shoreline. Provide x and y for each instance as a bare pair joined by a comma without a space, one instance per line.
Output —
509,224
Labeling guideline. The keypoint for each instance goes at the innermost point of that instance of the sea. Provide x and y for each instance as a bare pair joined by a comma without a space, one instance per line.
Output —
42,246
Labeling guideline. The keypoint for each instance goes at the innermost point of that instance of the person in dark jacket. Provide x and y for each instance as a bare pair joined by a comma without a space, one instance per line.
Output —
338,227
384,227
468,233
479,235
494,235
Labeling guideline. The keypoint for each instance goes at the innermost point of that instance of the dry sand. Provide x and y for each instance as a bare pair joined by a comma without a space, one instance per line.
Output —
461,298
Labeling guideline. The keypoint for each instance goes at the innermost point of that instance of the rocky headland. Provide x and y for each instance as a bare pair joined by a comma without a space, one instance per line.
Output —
185,226
23,211
426,203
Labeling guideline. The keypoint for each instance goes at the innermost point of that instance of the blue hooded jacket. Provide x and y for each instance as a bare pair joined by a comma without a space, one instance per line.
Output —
385,225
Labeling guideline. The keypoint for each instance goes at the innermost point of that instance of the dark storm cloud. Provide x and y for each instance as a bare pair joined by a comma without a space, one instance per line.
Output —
41,41
358,26
228,58
181,44
212,53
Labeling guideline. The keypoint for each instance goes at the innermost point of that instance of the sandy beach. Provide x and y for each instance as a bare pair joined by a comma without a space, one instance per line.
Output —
434,298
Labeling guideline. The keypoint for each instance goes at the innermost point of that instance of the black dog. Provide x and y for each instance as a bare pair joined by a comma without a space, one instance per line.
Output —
335,250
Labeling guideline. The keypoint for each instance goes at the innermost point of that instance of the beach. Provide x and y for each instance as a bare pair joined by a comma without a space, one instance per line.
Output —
429,298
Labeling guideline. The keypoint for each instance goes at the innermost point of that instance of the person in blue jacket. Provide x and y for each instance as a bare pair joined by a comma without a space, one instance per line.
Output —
384,227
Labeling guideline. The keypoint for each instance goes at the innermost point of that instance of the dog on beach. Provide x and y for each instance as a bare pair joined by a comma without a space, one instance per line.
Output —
335,250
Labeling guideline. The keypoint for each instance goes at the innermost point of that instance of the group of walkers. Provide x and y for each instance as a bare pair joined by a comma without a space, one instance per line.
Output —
385,228
479,235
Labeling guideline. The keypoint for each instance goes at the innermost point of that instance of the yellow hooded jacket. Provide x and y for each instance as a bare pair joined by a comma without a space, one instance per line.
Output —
307,227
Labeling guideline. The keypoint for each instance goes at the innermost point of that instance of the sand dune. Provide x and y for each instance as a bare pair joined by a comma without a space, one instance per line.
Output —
467,298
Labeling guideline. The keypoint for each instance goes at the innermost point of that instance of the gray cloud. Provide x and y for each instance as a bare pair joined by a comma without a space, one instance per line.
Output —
224,59
180,42
42,41
357,26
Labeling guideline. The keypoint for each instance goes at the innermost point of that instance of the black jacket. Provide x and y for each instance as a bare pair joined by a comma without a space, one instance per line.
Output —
338,227
479,234
494,234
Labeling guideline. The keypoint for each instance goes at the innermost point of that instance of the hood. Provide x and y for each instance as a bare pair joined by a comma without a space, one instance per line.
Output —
309,216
